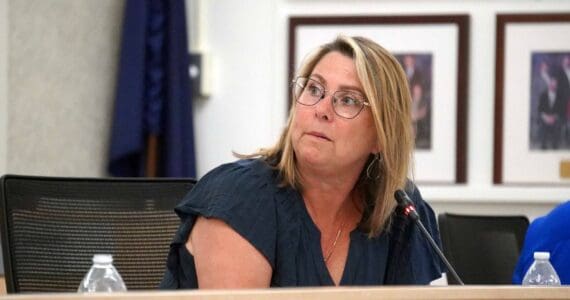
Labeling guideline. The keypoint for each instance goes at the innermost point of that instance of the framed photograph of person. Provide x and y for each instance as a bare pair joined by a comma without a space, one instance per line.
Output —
433,51
532,100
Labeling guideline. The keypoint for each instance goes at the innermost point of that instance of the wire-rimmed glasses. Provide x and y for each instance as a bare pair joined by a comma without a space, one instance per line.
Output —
346,104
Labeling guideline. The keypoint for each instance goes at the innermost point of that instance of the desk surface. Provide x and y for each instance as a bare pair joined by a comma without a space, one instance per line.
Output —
353,293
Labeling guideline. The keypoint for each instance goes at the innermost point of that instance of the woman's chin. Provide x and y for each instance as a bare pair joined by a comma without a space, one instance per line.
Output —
313,159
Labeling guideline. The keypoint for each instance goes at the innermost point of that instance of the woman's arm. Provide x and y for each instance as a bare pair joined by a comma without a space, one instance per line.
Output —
225,259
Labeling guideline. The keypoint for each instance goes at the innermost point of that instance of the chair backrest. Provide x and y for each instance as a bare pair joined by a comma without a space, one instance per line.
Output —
482,249
52,227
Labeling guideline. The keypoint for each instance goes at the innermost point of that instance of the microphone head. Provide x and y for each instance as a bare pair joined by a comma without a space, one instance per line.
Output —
402,198
406,204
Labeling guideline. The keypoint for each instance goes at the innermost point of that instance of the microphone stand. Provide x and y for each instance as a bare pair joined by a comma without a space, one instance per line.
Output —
410,211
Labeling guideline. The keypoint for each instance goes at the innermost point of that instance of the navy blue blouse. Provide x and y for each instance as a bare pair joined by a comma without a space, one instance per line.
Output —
247,196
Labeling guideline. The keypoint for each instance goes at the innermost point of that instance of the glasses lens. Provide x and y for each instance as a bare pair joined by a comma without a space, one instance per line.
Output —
298,86
307,91
347,104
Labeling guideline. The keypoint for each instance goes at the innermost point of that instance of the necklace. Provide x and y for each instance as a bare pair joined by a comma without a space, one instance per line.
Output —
333,246
338,234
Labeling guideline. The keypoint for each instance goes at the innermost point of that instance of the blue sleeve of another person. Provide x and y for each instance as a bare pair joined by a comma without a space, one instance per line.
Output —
548,233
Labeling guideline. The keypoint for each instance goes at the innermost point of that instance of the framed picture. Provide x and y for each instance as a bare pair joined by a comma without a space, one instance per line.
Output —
433,50
532,100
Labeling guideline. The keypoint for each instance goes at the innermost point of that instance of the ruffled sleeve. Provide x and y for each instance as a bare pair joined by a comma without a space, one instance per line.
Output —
241,195
415,262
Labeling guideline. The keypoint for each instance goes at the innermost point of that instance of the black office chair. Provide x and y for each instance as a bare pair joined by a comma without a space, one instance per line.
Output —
52,227
482,249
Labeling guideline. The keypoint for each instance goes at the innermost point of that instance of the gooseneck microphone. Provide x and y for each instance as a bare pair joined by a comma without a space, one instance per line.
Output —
410,211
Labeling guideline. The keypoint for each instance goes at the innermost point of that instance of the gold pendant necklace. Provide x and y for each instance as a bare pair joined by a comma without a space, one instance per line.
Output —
338,234
333,246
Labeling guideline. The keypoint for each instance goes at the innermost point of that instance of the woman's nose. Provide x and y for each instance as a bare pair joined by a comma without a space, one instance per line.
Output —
324,108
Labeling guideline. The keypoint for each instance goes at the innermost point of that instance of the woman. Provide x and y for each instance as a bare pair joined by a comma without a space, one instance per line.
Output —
318,207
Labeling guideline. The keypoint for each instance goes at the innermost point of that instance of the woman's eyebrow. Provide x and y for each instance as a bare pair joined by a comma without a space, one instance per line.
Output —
351,88
319,78
323,81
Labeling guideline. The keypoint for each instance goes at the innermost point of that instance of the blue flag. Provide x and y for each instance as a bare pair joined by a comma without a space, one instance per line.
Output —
152,132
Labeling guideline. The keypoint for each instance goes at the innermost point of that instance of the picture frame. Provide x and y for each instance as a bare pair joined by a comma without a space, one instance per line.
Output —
438,46
532,100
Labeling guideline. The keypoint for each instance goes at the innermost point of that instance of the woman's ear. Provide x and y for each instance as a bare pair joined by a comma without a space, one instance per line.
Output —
375,149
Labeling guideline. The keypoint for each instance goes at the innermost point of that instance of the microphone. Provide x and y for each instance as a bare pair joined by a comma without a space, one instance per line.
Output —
410,211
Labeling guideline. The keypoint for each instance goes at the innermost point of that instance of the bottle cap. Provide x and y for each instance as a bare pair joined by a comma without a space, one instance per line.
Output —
541,255
102,258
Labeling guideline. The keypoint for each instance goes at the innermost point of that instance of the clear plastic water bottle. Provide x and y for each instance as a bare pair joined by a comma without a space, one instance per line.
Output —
102,277
541,272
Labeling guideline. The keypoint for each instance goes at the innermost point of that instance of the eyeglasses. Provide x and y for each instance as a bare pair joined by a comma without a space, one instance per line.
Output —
346,104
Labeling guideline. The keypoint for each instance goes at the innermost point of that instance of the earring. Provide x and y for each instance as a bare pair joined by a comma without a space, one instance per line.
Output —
376,160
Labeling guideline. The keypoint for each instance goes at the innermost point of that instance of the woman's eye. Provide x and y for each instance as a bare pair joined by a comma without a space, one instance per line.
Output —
349,101
314,90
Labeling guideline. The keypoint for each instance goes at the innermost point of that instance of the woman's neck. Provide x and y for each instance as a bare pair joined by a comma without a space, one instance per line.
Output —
324,206
330,206
330,196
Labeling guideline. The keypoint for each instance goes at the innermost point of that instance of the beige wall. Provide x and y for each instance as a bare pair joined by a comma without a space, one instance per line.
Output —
3,81
62,57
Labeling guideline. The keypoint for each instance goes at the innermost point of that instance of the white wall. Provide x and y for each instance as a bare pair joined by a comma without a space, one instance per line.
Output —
239,39
248,40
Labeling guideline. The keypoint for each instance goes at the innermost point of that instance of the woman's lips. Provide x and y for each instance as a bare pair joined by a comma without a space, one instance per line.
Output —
319,135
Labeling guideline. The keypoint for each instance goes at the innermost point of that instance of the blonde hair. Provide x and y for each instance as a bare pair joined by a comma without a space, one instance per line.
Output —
385,86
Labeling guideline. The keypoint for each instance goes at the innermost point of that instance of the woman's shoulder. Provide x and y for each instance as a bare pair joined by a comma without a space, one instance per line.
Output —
235,188
240,194
240,168
239,175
